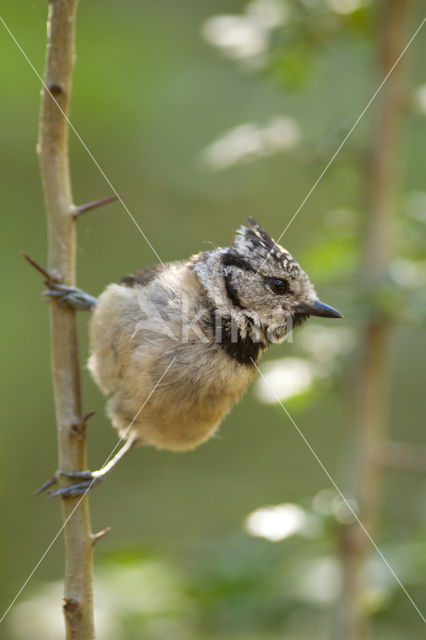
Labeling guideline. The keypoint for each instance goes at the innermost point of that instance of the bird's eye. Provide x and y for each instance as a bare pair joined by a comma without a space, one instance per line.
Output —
278,285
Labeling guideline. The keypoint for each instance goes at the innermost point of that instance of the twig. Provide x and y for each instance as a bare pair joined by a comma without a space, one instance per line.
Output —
54,163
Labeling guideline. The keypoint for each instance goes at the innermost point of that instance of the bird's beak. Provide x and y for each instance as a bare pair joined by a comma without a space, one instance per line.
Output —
319,309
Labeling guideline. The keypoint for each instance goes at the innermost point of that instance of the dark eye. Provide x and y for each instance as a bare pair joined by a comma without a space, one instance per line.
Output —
278,285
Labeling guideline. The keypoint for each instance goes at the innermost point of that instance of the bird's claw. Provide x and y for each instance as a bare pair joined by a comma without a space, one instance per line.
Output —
51,481
88,480
74,297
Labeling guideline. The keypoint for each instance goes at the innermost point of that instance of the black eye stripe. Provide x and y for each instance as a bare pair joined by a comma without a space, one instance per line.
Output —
232,260
232,293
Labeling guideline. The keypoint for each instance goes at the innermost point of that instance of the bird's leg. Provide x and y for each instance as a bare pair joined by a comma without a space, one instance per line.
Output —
75,298
90,479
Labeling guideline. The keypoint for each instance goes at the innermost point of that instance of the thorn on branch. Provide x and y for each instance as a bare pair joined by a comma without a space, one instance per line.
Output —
97,536
48,275
95,204
79,428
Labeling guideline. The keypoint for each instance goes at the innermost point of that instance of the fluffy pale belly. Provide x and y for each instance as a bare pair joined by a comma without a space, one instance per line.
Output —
178,415
172,394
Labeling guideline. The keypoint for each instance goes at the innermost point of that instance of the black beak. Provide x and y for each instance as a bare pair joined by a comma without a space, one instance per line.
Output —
319,309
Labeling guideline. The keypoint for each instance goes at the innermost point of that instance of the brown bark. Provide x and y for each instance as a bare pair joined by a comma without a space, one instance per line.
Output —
371,386
54,163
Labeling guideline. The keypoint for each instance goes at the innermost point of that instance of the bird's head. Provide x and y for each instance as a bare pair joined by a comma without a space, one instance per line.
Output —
261,279
258,286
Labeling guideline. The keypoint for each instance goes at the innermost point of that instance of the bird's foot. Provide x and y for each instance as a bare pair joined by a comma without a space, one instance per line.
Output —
75,298
88,480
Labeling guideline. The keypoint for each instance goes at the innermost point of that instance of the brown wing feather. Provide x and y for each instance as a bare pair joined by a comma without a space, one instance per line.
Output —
144,275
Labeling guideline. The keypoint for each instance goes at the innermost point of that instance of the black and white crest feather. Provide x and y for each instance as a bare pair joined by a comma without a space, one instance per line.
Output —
254,241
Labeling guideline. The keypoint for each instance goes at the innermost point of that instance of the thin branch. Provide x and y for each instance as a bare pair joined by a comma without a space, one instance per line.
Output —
54,163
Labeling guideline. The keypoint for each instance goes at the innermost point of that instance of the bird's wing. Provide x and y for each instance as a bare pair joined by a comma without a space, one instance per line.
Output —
145,275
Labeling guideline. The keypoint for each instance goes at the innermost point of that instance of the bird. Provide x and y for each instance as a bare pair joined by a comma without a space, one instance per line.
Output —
175,345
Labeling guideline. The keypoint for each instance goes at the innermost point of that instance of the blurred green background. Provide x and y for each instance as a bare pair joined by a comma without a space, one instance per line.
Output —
150,95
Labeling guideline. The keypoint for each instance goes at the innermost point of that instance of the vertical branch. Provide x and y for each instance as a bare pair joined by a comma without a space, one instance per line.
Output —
371,419
54,163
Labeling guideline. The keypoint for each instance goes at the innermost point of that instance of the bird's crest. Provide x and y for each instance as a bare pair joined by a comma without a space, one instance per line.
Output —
253,240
